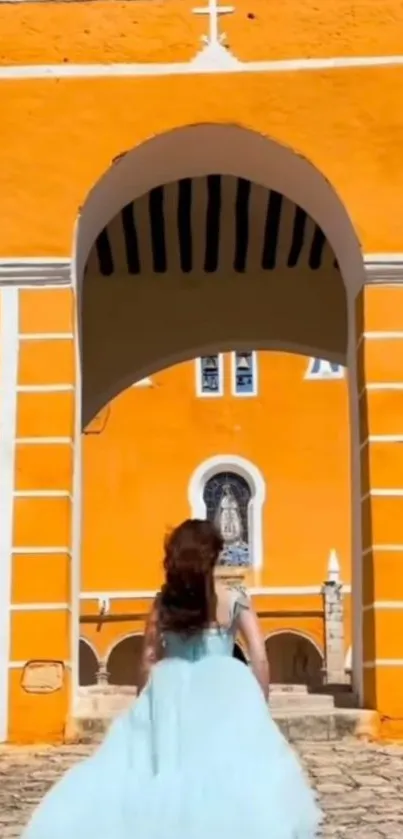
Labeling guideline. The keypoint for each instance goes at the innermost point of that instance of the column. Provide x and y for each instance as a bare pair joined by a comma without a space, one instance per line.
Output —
380,374
8,409
334,623
40,632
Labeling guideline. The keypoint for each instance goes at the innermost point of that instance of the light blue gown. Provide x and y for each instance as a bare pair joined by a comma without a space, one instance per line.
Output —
197,756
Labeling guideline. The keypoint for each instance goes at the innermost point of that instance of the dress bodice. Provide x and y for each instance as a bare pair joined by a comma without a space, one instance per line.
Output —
210,642
215,641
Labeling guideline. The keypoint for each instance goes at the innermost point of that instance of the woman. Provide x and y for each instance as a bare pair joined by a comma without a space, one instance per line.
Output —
198,755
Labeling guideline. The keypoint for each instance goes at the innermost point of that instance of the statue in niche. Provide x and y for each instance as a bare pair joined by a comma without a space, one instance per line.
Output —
228,519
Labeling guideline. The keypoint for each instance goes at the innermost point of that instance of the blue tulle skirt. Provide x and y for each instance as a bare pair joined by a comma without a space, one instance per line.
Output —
197,756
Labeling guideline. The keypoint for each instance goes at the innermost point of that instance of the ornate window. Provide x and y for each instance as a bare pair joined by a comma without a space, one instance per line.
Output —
244,374
320,368
210,375
230,491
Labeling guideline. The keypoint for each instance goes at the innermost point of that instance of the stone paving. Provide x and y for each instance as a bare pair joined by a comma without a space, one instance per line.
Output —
360,786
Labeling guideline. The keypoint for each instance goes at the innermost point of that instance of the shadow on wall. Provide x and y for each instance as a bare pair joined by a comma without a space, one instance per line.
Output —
294,660
124,662
88,664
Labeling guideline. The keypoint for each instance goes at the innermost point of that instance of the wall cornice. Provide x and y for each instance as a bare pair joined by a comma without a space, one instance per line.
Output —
44,271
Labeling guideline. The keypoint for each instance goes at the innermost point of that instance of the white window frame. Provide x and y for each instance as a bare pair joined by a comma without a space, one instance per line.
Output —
199,378
234,391
245,469
320,376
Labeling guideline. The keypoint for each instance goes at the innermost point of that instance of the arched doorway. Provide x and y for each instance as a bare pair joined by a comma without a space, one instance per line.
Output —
88,664
294,660
124,660
211,214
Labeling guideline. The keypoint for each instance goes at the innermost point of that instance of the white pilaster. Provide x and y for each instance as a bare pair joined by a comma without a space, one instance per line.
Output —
8,412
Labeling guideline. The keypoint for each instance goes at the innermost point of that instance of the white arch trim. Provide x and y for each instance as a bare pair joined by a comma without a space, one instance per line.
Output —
247,470
120,641
198,150
298,634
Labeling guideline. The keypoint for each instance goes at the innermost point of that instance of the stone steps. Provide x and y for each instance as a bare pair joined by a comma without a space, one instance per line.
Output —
301,715
295,724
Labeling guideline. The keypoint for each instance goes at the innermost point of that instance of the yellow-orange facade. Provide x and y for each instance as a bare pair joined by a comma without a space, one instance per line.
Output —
161,204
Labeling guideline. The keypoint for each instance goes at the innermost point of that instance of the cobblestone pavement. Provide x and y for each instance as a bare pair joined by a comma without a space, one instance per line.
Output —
360,786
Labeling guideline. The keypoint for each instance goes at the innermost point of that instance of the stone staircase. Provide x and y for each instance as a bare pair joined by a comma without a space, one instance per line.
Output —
330,714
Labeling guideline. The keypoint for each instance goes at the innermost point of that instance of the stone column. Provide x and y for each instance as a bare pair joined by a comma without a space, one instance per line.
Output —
334,623
102,674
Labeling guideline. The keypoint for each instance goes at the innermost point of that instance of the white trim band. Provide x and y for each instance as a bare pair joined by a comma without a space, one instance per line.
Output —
46,336
62,388
216,61
44,441
386,605
253,591
38,549
42,493
40,607
386,548
383,662
37,271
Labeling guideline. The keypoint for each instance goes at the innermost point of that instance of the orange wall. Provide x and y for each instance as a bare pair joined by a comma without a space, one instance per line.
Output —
158,31
141,450
348,123
148,441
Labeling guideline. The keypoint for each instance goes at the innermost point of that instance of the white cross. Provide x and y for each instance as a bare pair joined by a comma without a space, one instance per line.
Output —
213,11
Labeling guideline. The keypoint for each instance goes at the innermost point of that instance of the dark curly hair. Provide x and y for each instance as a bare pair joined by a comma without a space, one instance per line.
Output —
187,603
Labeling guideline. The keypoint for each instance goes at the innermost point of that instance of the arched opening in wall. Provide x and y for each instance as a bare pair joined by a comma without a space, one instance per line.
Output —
88,664
204,240
239,654
294,659
124,661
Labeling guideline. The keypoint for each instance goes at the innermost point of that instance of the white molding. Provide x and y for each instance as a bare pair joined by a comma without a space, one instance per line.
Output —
384,605
46,336
35,271
212,63
221,375
254,591
33,550
76,515
62,388
39,607
383,493
382,438
374,387
44,441
382,548
8,414
245,469
383,662
146,382
384,268
41,493
255,375
385,335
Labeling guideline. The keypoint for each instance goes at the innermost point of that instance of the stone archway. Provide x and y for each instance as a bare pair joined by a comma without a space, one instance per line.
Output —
124,660
294,660
211,212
